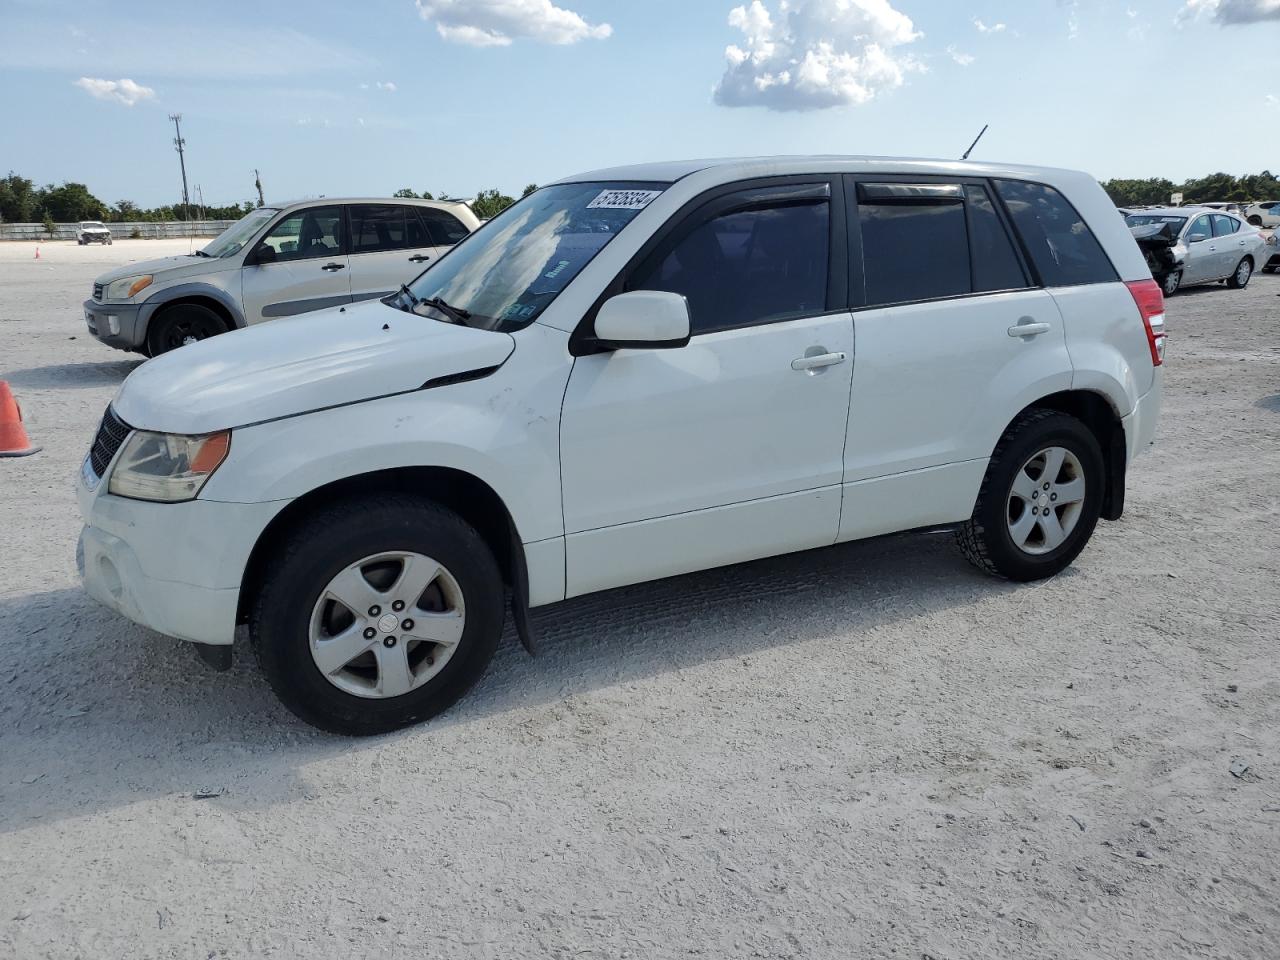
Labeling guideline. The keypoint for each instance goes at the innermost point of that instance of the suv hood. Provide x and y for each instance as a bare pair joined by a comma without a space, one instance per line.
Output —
300,364
168,268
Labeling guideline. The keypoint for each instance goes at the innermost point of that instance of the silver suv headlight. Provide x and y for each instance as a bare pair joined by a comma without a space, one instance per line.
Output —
167,467
127,287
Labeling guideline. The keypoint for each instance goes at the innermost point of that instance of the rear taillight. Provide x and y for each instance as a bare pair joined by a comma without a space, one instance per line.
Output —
1150,300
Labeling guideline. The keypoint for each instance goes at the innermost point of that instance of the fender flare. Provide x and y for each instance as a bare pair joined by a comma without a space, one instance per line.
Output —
183,291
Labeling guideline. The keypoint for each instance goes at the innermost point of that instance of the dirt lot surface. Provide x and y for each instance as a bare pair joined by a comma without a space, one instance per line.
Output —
867,751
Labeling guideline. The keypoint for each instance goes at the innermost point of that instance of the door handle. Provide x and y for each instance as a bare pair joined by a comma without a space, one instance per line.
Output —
1026,329
420,258
334,266
818,362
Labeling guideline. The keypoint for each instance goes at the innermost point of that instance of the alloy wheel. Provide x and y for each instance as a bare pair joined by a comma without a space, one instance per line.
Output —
1046,501
387,624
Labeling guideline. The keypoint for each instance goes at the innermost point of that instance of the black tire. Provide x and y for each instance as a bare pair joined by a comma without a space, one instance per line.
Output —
323,546
1170,283
1255,220
174,326
1234,281
985,539
1269,269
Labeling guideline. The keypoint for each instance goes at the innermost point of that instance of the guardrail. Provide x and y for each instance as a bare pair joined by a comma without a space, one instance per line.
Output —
172,229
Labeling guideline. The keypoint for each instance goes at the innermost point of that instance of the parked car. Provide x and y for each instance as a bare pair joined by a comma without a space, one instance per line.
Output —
1190,245
1234,209
277,261
631,374
1273,254
1264,214
92,231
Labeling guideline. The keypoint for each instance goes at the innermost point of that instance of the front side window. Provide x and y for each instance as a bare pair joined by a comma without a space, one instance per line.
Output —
1062,247
761,264
444,228
507,274
307,234
232,240
376,228
1224,226
1201,229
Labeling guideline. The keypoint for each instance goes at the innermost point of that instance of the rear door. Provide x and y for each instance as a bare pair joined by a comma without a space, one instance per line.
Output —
954,336
383,255
443,229
305,269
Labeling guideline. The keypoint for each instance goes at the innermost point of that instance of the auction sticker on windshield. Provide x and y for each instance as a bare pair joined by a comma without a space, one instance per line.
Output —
624,199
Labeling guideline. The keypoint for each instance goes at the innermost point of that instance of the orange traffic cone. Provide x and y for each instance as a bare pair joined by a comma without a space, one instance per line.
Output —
13,436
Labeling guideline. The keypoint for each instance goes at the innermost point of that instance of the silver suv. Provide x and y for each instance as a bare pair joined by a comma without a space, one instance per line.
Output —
278,261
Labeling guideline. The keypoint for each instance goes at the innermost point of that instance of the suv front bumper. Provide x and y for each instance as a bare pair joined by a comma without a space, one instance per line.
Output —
173,567
119,325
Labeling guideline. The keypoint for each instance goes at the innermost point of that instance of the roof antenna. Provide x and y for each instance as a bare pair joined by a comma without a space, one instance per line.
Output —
975,141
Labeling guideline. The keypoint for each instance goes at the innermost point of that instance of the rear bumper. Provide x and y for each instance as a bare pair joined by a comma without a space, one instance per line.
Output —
1140,425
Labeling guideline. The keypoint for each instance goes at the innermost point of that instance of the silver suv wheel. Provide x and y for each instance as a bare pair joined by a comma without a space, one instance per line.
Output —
387,624
1046,501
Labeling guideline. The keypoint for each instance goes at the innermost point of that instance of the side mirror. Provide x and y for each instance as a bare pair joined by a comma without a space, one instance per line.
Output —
262,253
643,320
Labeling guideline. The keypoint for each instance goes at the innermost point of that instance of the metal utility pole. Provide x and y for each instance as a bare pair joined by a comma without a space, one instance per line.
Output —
257,182
975,141
179,143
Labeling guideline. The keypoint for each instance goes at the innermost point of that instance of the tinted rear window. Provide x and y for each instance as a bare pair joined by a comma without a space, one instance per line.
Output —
914,250
1062,247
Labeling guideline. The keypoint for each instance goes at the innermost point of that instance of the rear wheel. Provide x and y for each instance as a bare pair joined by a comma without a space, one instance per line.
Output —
1040,499
181,325
378,613
1255,220
1240,279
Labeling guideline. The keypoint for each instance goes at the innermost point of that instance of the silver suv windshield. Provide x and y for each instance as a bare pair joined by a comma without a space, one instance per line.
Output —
233,239
510,270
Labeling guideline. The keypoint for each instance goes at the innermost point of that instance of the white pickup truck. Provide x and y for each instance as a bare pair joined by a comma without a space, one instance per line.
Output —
93,231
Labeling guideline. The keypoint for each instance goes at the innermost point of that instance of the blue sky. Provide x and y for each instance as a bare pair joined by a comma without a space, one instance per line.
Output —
462,95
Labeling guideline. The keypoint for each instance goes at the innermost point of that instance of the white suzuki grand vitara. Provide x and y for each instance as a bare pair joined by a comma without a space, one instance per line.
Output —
631,374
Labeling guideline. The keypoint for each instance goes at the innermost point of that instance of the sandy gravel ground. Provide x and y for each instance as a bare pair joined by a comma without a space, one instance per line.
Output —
867,751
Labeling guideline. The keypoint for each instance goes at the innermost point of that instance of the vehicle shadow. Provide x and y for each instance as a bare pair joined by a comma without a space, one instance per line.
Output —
72,376
96,713
1271,403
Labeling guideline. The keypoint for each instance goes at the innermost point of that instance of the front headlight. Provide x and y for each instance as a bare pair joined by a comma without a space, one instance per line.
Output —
167,467
127,287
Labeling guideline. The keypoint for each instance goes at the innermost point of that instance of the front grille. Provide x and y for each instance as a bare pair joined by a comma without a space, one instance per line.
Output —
111,434
97,292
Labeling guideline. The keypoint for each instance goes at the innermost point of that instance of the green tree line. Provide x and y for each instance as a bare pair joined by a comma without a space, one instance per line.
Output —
1214,187
21,201
487,204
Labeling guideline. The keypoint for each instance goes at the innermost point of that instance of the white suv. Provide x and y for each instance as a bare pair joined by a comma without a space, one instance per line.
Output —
631,374
277,261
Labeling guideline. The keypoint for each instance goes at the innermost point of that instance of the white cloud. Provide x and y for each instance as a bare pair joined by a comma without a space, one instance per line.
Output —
498,23
1272,100
121,91
1231,12
387,86
964,59
815,54
992,28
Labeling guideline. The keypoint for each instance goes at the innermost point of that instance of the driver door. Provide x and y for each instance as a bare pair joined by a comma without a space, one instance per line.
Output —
299,266
731,447
1202,252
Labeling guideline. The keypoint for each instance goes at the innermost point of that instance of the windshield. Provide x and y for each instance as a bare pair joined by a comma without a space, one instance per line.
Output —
1148,220
509,271
233,239
90,224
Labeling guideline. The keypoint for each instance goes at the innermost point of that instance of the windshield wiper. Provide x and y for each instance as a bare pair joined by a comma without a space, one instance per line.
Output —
455,314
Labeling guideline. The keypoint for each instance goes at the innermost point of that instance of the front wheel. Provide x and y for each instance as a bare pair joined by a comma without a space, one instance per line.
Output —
1243,272
181,325
1171,282
376,614
1039,501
